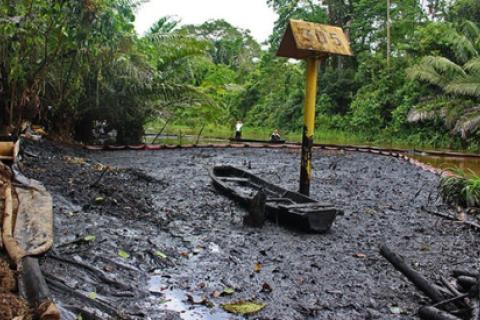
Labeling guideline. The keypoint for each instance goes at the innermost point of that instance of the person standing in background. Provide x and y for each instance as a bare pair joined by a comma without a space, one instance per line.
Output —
238,130
276,136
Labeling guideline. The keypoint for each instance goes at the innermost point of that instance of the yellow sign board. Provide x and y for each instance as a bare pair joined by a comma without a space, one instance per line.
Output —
308,40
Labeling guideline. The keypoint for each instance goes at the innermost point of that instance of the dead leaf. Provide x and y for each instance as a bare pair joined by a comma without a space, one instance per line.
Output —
425,247
198,249
99,200
243,307
200,300
123,254
160,254
396,310
228,291
100,167
90,238
74,160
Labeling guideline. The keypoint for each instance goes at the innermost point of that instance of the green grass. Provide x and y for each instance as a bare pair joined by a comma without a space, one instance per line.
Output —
322,135
463,189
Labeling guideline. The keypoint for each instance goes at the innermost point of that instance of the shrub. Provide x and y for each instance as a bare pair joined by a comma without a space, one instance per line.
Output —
463,189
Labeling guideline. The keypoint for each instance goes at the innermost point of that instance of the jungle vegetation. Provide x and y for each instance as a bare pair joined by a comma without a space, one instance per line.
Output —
66,63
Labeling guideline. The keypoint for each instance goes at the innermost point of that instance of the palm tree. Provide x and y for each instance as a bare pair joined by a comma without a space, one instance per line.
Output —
458,76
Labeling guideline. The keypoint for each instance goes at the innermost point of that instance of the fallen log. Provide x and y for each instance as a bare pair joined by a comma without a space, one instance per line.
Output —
450,287
460,300
33,287
457,273
415,277
432,313
476,299
466,282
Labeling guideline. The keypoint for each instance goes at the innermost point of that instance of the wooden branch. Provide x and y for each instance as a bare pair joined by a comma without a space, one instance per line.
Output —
415,277
450,287
98,303
432,313
99,178
200,133
470,224
451,300
161,131
96,272
457,273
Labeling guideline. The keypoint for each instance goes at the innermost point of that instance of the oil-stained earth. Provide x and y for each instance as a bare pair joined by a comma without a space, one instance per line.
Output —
144,235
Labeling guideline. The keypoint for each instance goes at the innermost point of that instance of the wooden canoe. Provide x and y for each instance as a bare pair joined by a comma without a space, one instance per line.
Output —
283,206
256,141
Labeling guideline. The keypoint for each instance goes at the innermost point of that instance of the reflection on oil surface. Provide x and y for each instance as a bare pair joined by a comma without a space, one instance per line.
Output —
444,162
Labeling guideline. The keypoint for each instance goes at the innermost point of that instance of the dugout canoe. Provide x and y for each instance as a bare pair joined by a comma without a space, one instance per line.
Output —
233,140
286,207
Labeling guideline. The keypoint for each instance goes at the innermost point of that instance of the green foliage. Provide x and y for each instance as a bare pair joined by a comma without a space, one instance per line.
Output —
465,10
293,9
85,60
462,189
458,76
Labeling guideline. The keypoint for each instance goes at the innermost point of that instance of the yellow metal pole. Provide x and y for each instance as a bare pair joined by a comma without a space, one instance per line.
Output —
309,125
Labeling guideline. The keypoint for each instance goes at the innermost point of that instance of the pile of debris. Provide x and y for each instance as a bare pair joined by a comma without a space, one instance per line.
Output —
457,299
26,232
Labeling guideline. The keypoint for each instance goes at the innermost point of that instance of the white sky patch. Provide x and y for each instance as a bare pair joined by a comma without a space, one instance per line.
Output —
253,15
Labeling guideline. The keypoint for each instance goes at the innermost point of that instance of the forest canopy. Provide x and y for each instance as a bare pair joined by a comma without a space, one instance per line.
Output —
67,63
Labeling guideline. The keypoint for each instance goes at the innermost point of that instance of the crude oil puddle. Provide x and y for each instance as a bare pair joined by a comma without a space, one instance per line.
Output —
464,163
177,301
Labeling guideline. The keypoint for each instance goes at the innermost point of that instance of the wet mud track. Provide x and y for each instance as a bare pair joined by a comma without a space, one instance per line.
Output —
150,238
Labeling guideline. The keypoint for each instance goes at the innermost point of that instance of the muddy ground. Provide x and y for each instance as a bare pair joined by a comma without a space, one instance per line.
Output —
149,238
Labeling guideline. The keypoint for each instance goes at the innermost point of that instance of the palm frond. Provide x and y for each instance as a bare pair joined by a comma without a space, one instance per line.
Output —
468,124
463,47
443,65
164,25
426,73
473,65
470,29
469,86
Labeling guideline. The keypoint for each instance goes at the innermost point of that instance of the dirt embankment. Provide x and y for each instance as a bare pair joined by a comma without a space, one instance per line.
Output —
134,242
11,305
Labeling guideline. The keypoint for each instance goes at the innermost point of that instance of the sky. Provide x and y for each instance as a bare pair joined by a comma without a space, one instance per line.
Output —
253,15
